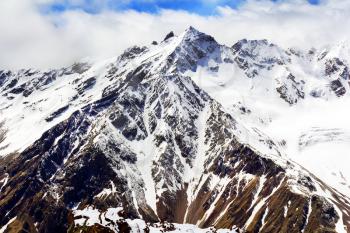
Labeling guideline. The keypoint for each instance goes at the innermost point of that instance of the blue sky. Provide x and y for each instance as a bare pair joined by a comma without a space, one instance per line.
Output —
201,7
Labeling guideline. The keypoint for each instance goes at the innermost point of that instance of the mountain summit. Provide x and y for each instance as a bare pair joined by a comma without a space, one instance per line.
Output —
175,136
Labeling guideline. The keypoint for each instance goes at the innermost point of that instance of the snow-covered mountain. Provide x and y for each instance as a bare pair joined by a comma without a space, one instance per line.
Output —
185,134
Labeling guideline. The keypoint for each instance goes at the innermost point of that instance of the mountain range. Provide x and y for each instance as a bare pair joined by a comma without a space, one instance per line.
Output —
184,135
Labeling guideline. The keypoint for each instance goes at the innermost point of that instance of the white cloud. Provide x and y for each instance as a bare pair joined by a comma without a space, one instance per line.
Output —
32,39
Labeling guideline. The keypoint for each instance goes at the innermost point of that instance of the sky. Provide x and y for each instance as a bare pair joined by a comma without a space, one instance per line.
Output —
53,33
201,7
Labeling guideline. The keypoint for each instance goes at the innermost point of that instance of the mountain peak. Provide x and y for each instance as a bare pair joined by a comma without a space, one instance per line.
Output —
189,33
193,34
191,46
169,35
192,30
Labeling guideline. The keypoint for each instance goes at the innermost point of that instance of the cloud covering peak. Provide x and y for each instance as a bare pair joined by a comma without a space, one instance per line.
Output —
34,37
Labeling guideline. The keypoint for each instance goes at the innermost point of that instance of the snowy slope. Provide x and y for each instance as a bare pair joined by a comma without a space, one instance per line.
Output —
89,216
259,105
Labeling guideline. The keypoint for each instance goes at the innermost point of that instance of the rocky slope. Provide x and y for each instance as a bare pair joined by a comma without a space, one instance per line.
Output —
146,135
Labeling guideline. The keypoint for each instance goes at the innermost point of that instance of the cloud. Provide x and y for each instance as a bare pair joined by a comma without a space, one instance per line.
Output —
31,38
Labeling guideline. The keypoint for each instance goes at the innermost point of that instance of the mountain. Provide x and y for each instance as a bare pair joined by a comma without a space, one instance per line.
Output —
182,135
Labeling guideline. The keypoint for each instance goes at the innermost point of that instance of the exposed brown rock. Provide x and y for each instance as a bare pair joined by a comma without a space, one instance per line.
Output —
172,208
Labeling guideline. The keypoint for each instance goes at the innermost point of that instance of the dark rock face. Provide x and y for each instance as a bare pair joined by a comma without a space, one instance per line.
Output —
336,65
317,93
4,76
337,87
338,69
82,183
87,84
3,131
57,113
132,53
292,90
11,84
79,68
169,35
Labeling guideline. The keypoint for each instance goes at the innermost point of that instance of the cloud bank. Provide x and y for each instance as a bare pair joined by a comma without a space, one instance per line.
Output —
31,37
